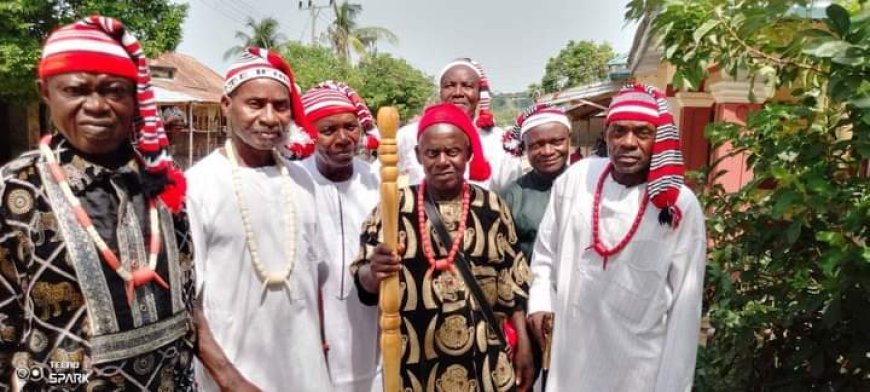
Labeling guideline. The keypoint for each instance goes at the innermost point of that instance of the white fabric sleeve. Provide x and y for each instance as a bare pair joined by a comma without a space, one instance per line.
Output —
199,235
545,263
405,145
508,171
686,279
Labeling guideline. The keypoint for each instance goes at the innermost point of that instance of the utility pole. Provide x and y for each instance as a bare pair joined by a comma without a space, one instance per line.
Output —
314,11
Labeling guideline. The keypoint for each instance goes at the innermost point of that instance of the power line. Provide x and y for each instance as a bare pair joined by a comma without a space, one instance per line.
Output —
314,14
244,4
222,12
302,33
238,9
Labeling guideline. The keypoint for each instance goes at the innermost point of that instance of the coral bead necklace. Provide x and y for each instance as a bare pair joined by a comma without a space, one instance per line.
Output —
597,245
447,262
140,275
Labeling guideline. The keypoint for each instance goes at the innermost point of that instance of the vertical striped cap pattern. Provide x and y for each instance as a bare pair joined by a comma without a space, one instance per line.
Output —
640,102
485,118
330,98
532,116
99,44
254,63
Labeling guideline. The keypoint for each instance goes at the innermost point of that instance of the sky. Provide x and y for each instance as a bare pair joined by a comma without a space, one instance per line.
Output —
512,39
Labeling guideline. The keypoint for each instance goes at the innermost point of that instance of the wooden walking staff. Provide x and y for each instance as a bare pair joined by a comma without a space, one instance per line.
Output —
391,339
548,345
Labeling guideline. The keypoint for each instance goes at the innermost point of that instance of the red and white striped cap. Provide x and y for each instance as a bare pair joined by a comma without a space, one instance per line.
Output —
640,102
531,117
322,101
330,98
87,47
485,118
256,63
99,44
633,105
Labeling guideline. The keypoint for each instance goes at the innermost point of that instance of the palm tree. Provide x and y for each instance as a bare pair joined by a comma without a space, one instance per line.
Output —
263,34
345,36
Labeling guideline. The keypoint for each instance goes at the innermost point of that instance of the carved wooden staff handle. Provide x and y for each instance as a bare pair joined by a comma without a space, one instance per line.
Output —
391,339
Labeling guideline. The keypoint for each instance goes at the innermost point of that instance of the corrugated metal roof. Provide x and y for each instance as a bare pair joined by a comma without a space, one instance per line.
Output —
191,78
162,95
588,91
619,59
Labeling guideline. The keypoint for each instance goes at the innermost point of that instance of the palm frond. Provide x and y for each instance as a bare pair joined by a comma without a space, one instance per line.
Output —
376,33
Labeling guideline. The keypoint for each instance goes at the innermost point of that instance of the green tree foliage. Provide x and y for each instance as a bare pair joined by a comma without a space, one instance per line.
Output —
379,79
262,34
345,36
578,63
506,107
789,273
314,64
24,25
387,80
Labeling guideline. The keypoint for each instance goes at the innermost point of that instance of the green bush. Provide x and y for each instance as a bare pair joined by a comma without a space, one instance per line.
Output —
788,278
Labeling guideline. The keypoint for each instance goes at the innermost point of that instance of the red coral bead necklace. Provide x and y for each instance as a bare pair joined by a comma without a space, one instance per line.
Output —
597,245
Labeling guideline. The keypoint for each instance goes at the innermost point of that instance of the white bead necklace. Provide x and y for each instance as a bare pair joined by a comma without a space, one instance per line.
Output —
269,279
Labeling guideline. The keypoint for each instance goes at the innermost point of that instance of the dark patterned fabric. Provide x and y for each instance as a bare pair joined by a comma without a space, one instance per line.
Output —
64,315
446,343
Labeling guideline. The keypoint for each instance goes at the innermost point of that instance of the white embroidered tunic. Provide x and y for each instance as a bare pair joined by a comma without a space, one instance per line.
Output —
272,339
634,326
351,328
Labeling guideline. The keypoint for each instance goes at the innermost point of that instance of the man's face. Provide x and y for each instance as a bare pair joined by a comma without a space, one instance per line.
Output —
173,126
94,112
339,135
629,145
461,86
547,147
259,113
443,151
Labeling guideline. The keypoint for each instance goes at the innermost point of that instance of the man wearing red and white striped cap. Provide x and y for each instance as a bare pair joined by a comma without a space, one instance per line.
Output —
347,191
96,289
259,251
464,83
619,259
542,133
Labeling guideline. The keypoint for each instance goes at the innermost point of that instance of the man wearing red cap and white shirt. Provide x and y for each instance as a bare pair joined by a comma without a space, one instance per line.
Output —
448,342
463,83
347,192
623,279
258,246
96,283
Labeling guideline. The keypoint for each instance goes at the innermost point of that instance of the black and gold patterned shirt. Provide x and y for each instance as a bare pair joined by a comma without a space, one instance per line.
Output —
446,343
65,322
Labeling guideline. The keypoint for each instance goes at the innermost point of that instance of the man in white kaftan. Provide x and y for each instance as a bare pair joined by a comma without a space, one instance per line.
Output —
347,192
626,319
269,336
257,243
464,83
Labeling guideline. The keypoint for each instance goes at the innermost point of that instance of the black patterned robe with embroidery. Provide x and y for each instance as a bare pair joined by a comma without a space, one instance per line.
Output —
64,315
446,345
